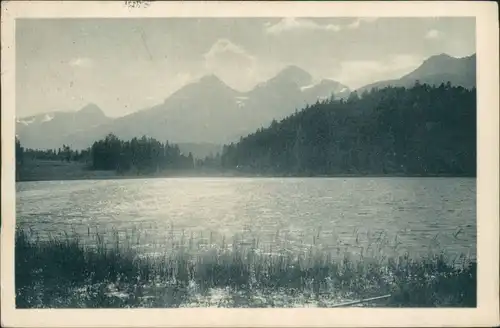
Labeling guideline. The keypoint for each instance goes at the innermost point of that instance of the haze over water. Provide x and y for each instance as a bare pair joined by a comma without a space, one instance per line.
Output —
290,213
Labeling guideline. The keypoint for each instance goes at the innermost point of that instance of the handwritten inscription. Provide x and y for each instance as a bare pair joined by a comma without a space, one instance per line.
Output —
137,4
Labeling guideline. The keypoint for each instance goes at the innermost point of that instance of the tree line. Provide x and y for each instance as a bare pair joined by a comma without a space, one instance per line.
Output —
140,155
137,156
64,153
423,130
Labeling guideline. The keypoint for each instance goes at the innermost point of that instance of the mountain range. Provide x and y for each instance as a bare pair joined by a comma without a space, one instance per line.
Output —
50,130
209,112
436,70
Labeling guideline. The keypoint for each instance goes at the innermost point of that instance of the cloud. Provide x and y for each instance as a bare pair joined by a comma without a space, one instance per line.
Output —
231,63
292,23
433,34
184,77
357,73
80,62
357,22
222,47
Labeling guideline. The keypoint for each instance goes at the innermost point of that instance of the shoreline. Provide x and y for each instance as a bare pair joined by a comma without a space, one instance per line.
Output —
111,175
63,272
187,176
48,170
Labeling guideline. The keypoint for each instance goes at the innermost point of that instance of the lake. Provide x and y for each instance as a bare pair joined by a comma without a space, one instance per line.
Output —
414,215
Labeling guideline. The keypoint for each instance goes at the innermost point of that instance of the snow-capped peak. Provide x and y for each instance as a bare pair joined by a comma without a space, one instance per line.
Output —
26,121
240,101
47,118
305,87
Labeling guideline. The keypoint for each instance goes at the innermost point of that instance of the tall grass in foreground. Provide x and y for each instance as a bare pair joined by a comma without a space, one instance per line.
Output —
63,272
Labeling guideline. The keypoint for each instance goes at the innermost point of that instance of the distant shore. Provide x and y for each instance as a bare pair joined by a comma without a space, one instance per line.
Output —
57,170
98,175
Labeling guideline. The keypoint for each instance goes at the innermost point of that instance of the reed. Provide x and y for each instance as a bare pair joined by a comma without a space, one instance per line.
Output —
67,271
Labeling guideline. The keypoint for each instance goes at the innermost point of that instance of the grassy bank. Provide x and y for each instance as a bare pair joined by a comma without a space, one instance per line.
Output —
63,272
47,170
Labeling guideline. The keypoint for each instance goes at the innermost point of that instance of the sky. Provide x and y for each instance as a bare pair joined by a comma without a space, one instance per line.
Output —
129,64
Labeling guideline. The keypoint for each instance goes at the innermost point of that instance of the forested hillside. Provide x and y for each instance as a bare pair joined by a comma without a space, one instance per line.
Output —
424,130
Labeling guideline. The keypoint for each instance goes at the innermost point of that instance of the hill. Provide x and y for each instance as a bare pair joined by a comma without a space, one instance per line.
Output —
423,130
434,71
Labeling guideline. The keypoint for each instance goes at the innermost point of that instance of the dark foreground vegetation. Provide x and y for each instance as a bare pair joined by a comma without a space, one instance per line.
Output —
65,273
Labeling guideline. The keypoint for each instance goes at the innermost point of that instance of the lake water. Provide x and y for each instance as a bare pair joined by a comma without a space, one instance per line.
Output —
413,215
